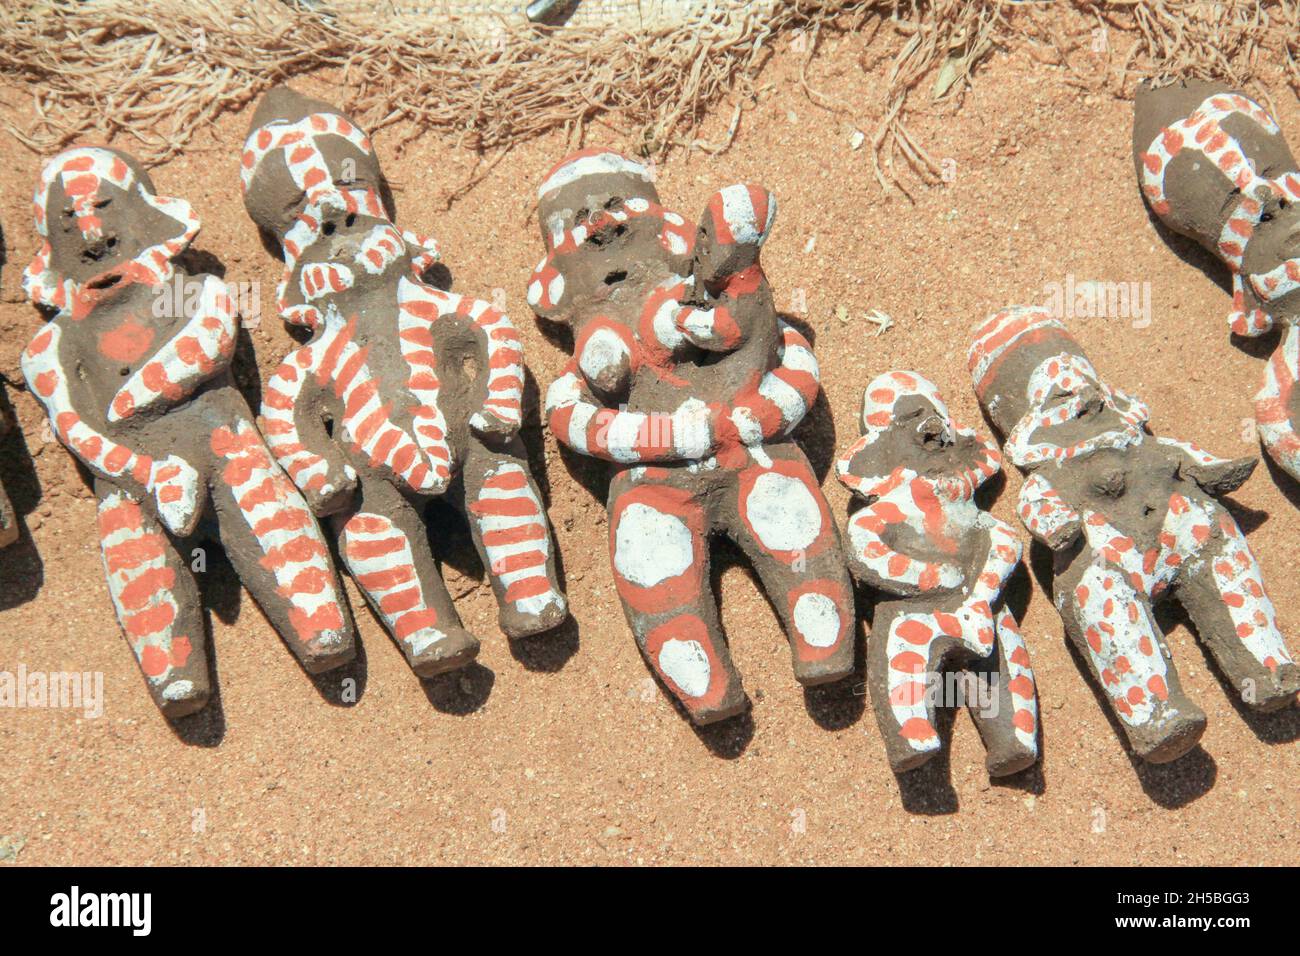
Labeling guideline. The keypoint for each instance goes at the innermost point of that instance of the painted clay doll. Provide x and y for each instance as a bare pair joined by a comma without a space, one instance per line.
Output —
941,564
1213,165
137,386
1131,519
401,389
687,381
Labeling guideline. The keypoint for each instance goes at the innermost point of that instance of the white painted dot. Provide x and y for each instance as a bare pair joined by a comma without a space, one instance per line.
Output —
650,546
687,665
817,619
604,351
783,512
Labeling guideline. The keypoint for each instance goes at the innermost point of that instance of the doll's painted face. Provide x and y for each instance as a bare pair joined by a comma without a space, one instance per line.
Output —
732,232
95,226
1272,258
1071,411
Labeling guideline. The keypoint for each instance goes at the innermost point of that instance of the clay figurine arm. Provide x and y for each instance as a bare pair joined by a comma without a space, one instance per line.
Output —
875,563
172,482
201,349
1215,476
1046,516
713,329
296,434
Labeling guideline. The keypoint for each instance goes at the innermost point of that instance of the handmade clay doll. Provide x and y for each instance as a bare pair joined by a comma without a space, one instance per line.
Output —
685,378
1213,165
401,389
1131,519
137,386
941,563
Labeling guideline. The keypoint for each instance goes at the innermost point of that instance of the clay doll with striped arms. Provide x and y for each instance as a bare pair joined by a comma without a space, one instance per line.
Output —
1131,519
137,386
940,564
685,379
1213,165
402,392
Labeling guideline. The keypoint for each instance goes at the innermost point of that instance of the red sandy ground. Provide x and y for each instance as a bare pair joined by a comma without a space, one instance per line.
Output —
561,749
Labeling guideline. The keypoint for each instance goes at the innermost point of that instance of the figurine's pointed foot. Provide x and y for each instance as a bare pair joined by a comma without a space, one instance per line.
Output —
432,652
1278,692
327,651
181,697
1176,738
518,620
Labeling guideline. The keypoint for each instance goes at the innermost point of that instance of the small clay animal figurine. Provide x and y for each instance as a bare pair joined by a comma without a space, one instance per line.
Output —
685,379
1213,165
401,393
137,386
1131,520
940,564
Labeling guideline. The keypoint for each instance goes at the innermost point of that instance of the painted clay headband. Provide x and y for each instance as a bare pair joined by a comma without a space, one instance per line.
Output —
82,171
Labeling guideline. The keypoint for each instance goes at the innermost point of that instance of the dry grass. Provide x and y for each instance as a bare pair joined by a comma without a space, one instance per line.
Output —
157,72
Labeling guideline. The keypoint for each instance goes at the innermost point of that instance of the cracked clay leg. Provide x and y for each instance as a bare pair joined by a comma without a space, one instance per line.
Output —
1115,632
660,552
513,539
784,526
157,603
1224,596
386,548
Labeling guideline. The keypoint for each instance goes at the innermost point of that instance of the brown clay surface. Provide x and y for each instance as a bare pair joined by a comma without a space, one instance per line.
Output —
562,749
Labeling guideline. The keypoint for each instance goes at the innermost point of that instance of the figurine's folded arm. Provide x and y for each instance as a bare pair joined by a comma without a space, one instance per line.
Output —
503,352
877,564
1045,515
687,434
713,329
201,349
172,482
296,434
1214,475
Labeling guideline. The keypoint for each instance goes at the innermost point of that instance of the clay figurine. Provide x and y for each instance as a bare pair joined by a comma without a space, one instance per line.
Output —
1131,519
137,386
940,564
685,378
1213,165
400,390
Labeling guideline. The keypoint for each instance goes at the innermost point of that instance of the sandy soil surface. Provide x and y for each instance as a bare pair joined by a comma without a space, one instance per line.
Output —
561,748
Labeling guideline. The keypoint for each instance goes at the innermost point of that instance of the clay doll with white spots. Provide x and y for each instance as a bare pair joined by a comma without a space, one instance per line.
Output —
687,381
140,392
402,392
1131,519
940,564
1214,166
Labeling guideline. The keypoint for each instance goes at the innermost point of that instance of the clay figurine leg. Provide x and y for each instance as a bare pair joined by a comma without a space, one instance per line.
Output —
782,523
157,603
1009,725
899,668
513,540
1225,598
1115,632
660,551
276,547
385,546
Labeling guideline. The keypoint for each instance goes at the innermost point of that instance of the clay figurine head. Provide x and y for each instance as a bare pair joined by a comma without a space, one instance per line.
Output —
908,433
311,179
1041,391
732,232
103,225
